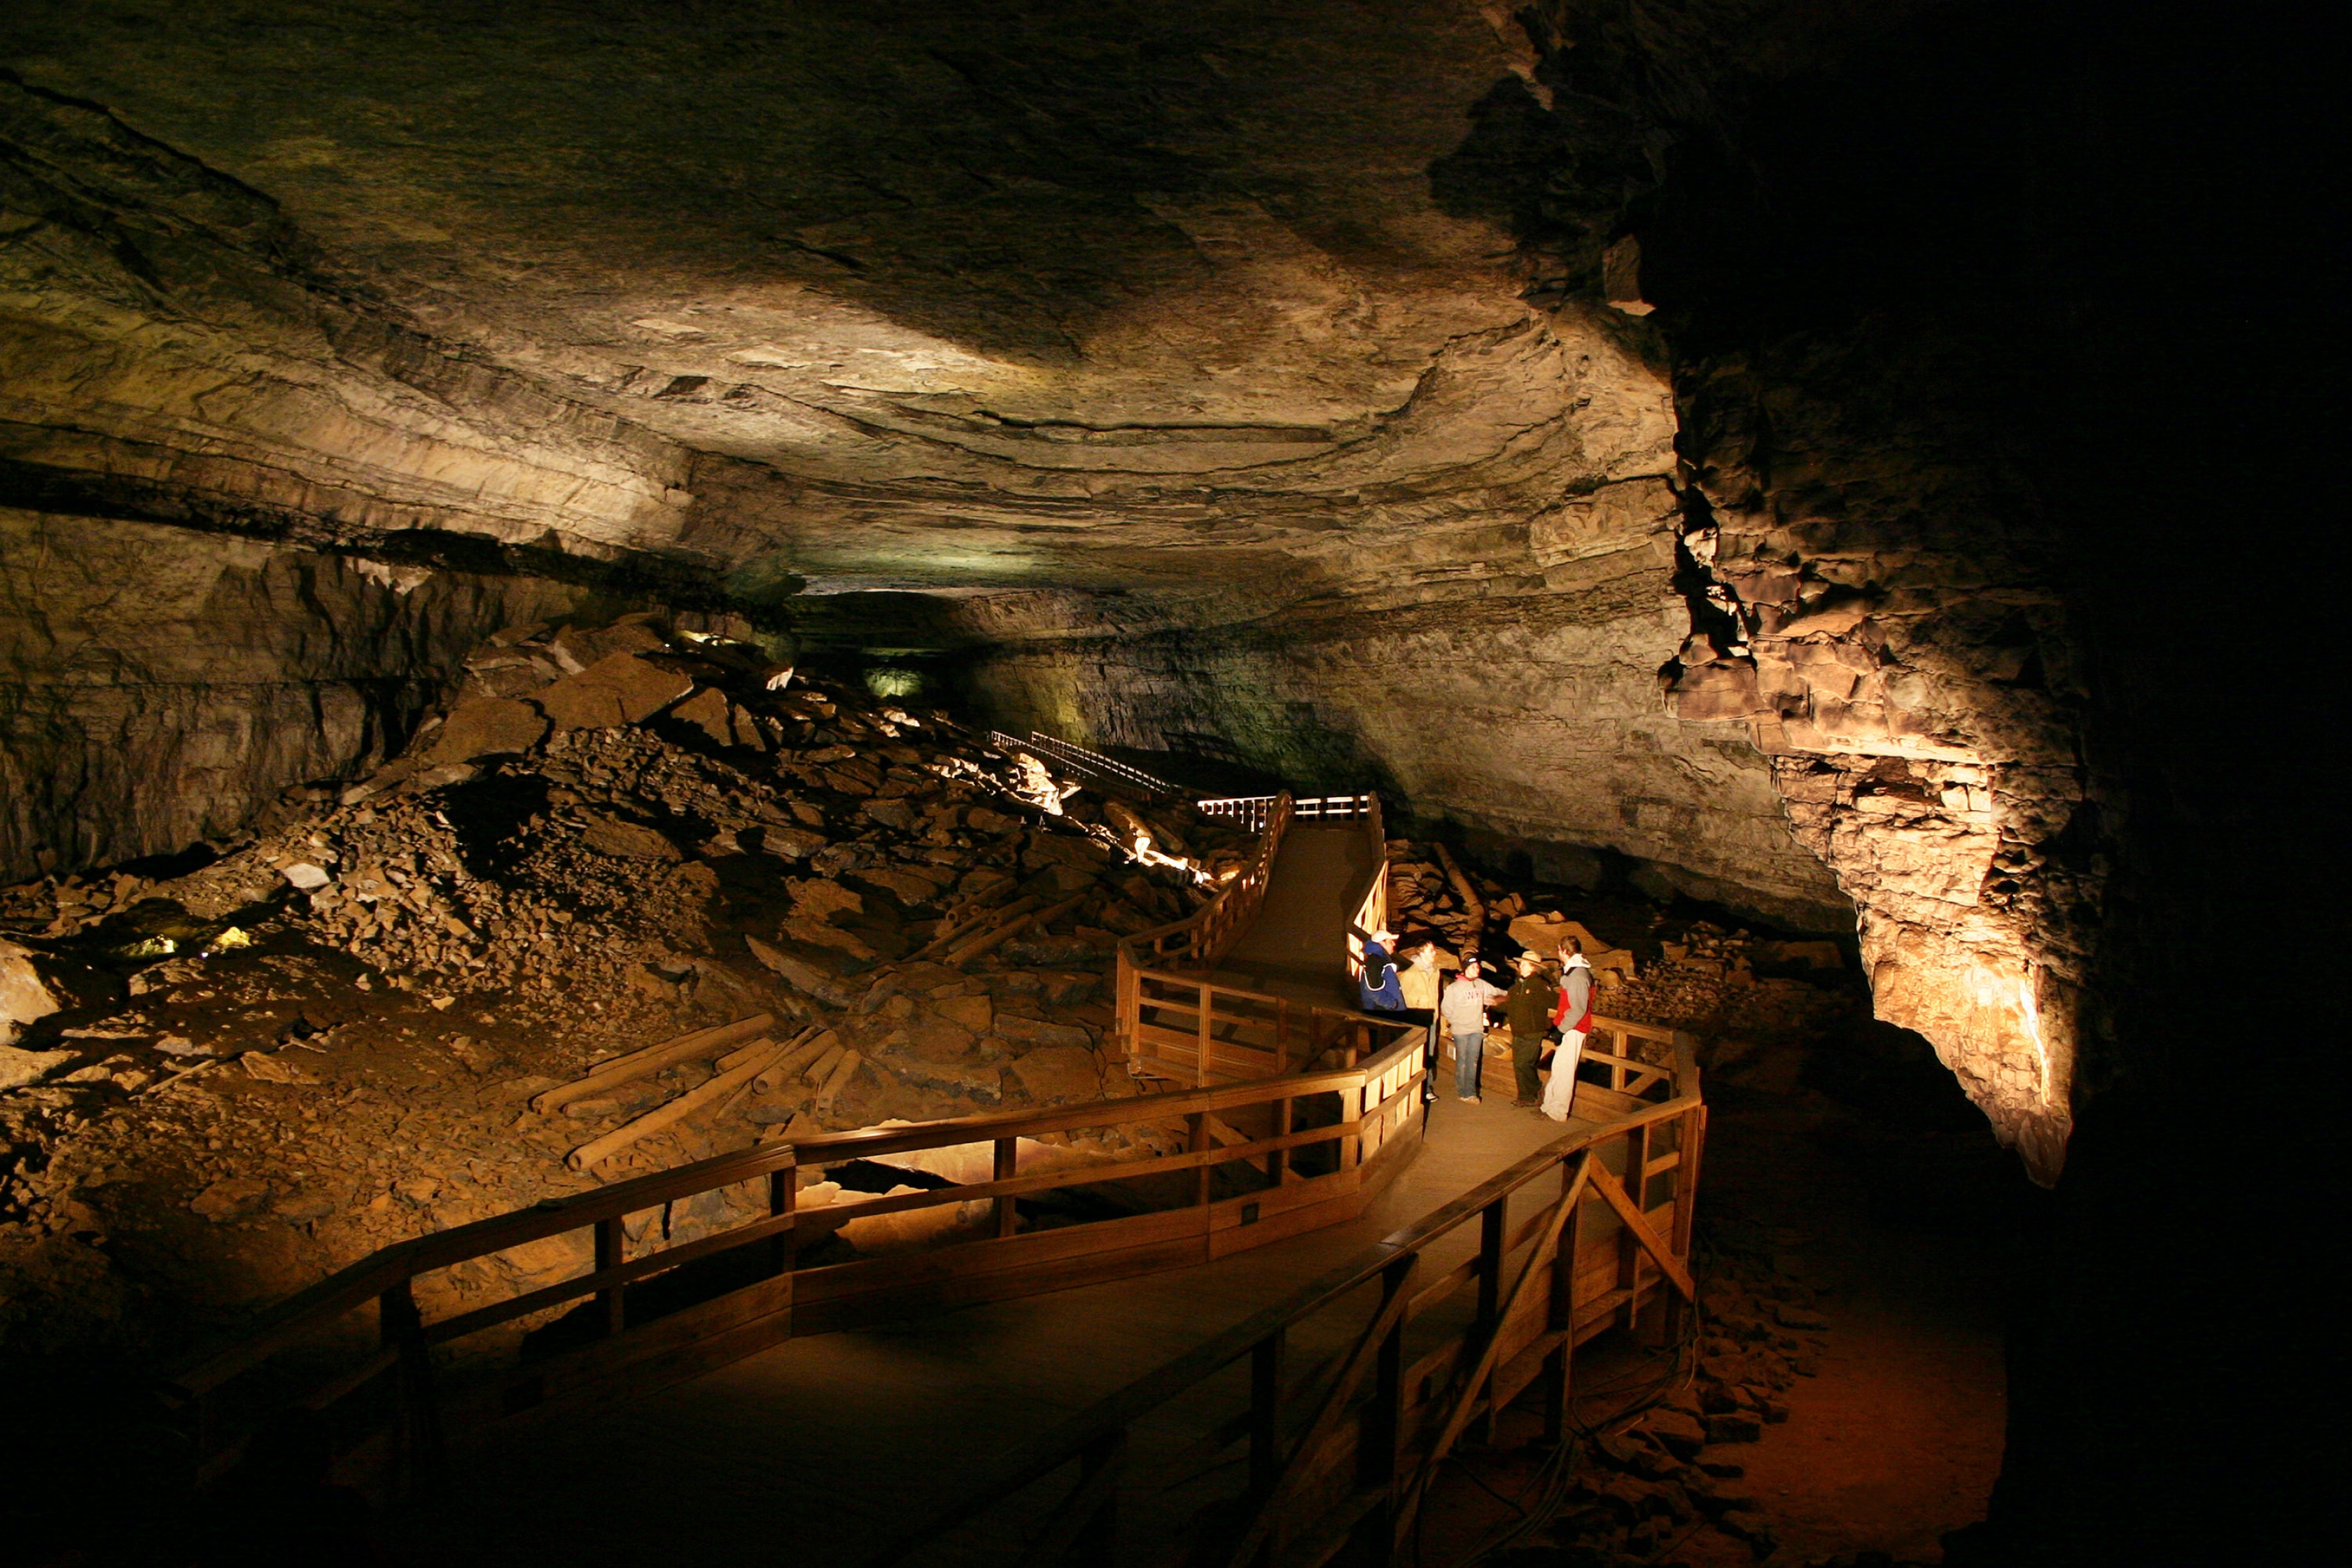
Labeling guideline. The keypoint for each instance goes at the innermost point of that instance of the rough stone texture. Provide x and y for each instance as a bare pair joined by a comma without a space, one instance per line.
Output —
158,686
24,996
1882,615
489,726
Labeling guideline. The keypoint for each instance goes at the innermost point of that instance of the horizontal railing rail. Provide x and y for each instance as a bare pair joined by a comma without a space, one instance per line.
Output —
1083,759
1287,1176
1346,1451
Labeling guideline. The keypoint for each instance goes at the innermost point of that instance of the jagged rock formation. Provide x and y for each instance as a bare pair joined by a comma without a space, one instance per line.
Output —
606,832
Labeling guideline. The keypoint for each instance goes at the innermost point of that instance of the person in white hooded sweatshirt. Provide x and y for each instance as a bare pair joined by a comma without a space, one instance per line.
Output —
1573,1019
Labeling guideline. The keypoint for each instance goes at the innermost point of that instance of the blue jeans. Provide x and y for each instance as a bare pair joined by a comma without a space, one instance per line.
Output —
1469,1056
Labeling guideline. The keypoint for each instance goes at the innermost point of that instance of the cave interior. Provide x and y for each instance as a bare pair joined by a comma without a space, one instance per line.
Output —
1801,469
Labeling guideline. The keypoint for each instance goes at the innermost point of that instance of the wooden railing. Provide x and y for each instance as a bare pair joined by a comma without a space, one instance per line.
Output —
1426,1341
1237,1166
1203,937
1174,1022
1251,810
1083,760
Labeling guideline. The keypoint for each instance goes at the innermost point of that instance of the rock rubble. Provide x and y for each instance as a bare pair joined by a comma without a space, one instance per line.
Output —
326,1036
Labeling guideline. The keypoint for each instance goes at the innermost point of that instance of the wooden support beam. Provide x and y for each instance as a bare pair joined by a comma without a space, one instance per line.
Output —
601,1149
1466,1398
1638,1226
686,1047
1381,1343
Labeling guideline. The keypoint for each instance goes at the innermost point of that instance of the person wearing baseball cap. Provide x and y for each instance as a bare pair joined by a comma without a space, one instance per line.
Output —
1464,1005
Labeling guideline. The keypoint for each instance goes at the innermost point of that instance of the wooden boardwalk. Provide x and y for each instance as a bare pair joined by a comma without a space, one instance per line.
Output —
1291,948
818,1410
818,1448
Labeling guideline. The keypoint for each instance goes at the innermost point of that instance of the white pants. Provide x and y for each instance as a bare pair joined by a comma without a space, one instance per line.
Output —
1559,1094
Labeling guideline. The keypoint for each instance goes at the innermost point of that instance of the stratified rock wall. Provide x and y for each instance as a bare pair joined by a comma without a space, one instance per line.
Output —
1881,613
1517,699
158,686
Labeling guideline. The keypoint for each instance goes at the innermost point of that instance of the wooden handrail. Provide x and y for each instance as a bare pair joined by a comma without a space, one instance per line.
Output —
390,1273
1393,1258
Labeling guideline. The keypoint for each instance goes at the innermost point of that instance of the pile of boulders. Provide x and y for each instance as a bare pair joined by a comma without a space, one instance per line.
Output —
1654,1481
331,1035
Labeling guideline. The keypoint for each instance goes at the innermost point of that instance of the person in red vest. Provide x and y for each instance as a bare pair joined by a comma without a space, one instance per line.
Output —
1573,1019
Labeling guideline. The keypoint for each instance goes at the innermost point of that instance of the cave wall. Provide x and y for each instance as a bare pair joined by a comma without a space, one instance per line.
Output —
161,686
1520,703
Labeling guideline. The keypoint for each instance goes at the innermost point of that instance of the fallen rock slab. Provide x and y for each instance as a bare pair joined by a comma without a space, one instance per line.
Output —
24,996
621,689
488,727
19,1068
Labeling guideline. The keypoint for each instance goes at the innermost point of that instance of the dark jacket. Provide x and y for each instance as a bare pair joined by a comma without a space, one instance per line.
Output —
1382,993
1527,1005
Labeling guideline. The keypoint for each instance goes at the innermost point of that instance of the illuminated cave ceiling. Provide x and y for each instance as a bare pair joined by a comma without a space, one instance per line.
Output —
1195,353
977,295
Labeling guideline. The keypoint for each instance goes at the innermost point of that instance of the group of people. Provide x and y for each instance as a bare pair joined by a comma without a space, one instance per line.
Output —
1542,1012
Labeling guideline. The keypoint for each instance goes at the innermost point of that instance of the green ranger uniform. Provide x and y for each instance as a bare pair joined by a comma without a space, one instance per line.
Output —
1527,1005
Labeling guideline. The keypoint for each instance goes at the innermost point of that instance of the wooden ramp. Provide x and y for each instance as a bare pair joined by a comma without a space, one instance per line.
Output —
796,1404
1295,946
818,1450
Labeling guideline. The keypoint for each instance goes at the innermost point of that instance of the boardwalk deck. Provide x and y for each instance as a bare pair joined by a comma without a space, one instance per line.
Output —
804,1413
819,1447
1290,949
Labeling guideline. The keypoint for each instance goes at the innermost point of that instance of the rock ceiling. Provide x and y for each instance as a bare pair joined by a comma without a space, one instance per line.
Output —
974,295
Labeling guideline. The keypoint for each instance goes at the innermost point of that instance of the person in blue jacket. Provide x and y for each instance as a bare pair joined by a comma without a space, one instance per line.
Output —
1378,983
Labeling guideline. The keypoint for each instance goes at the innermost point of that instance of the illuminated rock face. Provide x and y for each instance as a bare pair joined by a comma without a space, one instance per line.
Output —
158,686
1877,613
1201,366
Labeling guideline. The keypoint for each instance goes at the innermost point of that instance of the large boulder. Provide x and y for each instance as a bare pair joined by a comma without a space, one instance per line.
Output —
24,996
621,689
488,727
1060,1073
19,1068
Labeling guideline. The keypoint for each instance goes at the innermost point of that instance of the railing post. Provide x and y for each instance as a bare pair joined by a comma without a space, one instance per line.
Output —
783,1198
1384,1421
1201,1049
1265,1413
1198,1143
612,1245
1560,1367
1629,1251
415,1458
1277,1163
1008,1217
1490,1299
1690,1131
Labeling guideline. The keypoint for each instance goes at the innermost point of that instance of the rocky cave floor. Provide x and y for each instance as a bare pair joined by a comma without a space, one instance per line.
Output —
1840,1399
267,1059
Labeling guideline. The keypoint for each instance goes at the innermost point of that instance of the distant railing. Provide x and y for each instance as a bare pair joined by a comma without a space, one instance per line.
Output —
1083,760
1250,809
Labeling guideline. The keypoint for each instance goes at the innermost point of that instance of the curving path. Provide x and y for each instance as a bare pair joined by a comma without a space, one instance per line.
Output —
1288,950
818,1448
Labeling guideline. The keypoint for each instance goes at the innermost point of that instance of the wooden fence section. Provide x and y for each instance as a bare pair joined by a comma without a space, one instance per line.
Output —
1255,1163
1083,760
1339,1456
1173,1022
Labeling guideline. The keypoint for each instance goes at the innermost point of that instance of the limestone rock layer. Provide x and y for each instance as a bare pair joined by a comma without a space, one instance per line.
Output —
1338,389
